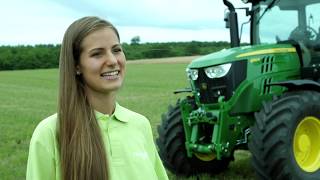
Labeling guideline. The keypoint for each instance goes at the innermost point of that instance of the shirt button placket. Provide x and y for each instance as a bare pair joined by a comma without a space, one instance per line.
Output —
107,131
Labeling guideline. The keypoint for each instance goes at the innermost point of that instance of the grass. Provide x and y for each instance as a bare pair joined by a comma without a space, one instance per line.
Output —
28,96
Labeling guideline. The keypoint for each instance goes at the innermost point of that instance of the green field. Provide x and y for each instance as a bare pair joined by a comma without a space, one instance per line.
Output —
28,96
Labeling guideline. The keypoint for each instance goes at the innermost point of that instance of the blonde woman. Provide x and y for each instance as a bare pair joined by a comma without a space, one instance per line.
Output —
92,137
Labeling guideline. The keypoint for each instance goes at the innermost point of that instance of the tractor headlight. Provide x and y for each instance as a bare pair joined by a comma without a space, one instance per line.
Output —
217,71
192,74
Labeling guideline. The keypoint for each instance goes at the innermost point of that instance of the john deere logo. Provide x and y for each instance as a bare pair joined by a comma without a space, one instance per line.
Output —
204,86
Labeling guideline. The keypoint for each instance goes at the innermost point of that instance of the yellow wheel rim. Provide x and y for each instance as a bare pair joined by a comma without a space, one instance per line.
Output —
306,144
205,157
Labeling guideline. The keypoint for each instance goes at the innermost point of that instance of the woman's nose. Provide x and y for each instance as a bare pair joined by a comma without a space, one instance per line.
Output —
111,59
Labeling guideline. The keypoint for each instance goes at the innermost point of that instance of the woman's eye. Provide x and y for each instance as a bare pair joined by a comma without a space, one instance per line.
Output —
117,50
95,54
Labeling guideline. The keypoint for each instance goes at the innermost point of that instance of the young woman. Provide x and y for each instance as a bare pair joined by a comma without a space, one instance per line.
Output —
92,137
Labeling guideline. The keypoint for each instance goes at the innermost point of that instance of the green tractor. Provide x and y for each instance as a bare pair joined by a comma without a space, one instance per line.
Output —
264,97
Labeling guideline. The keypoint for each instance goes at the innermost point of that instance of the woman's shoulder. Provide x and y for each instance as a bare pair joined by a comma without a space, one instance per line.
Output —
128,115
46,128
49,122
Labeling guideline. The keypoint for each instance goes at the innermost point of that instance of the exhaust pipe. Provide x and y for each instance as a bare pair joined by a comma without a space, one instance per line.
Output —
233,22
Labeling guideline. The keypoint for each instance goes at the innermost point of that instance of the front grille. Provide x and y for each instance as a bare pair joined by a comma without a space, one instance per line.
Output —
211,89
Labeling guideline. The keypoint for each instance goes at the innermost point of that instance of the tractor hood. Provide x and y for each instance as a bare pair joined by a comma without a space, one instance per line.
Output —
240,53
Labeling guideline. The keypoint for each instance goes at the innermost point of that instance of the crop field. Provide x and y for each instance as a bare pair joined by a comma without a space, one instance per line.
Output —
28,96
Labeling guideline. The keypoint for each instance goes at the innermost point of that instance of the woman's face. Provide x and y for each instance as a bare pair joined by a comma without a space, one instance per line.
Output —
102,61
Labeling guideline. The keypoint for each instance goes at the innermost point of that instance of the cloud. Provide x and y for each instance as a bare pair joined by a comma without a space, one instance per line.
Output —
44,21
156,34
189,14
33,22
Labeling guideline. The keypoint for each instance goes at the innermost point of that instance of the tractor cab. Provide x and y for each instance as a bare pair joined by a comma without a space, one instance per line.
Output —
287,21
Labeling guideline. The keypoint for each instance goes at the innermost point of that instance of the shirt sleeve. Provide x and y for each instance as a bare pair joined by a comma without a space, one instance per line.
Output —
41,163
158,166
160,170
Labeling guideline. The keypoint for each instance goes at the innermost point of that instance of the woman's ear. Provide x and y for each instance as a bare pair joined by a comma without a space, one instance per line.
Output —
78,72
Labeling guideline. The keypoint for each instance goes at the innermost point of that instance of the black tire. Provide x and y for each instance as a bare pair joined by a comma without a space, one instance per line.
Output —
171,144
273,136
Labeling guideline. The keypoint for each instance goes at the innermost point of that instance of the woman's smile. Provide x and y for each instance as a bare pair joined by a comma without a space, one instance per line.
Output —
110,75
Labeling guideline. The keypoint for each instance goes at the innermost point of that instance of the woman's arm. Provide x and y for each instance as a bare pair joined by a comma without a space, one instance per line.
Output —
41,164
41,159
158,165
160,170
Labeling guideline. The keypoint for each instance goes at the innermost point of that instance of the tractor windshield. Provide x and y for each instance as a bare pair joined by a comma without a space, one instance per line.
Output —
297,20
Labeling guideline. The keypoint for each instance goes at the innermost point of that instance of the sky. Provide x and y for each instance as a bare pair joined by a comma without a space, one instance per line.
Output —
30,22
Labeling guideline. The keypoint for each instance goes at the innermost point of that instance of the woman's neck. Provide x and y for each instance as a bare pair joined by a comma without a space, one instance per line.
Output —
102,102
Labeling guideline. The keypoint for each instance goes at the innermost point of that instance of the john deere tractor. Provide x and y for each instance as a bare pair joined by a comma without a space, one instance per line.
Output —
264,97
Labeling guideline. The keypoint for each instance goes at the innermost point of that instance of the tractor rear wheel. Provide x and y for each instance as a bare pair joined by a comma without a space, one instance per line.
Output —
285,140
172,149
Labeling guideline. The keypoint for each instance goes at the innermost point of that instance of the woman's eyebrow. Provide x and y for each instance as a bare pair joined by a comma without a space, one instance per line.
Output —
117,44
96,49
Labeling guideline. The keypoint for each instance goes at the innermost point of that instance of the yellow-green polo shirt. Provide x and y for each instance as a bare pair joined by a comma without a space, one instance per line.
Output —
129,145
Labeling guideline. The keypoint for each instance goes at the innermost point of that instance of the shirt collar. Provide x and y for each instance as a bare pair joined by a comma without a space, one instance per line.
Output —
119,113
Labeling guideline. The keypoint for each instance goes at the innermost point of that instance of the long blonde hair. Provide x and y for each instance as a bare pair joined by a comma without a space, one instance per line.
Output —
82,151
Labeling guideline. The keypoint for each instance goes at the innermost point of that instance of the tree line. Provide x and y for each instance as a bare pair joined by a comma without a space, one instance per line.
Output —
47,56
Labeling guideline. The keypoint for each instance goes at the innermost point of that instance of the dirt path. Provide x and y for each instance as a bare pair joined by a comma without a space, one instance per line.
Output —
174,60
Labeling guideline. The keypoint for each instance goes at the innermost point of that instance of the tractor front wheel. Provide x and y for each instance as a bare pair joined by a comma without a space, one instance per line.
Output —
285,140
172,149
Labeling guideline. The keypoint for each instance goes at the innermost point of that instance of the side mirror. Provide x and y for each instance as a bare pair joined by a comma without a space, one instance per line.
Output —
227,19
